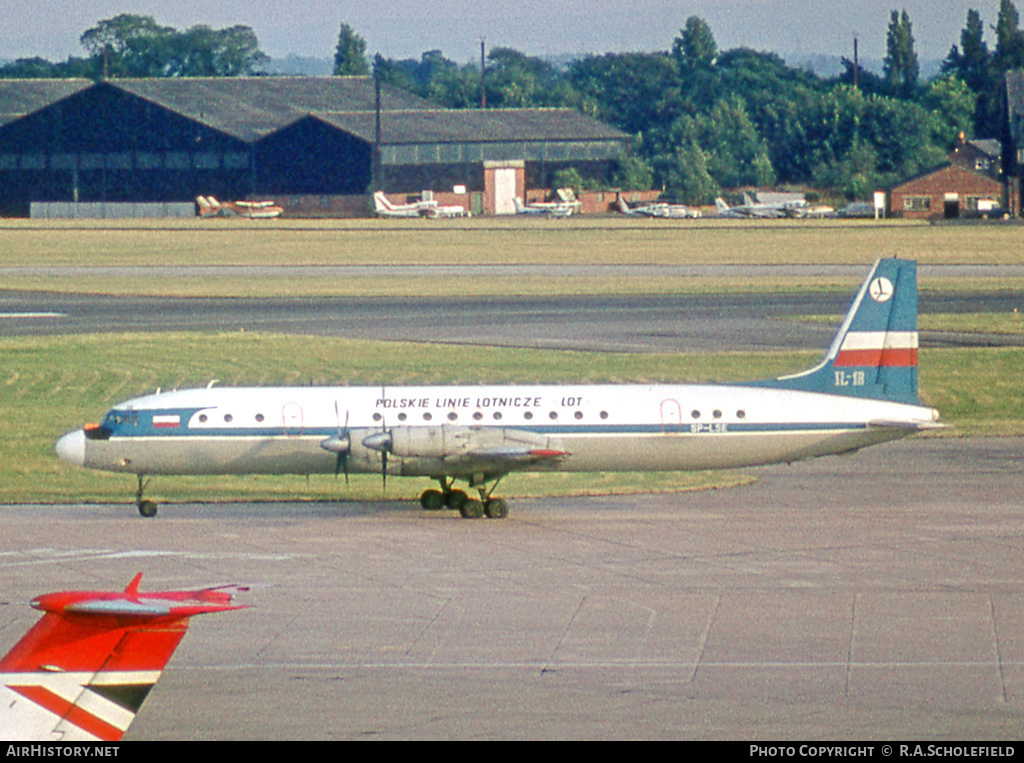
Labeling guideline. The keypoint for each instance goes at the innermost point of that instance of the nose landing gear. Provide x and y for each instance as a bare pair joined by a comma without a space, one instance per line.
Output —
146,507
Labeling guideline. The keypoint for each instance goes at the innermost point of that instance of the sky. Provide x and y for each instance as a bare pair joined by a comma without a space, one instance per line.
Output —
406,28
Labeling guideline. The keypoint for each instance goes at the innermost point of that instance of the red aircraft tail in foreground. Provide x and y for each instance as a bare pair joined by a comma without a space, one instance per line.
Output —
82,672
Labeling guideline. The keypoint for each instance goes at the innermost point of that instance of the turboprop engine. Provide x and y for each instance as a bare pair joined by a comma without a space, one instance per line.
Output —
447,442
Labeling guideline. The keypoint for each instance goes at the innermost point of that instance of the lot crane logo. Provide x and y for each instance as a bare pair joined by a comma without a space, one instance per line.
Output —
881,289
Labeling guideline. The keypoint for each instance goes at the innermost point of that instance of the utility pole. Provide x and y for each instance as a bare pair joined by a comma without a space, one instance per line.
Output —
856,64
483,78
377,184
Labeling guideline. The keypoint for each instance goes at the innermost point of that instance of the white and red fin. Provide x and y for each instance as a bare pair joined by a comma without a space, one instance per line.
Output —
83,670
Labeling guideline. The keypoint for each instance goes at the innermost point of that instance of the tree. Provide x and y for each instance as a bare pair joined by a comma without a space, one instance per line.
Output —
973,62
122,34
734,154
350,54
128,45
136,46
636,92
1009,38
633,174
953,105
30,68
900,66
684,174
204,52
980,70
695,46
516,80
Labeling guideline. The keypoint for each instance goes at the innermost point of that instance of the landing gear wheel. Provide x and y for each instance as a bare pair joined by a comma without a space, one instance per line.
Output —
471,509
496,508
455,499
432,500
147,508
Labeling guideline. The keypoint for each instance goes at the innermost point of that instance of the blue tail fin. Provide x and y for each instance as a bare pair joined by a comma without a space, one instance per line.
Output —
875,352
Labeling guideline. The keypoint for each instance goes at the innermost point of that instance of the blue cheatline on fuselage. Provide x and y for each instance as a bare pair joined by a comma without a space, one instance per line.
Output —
863,392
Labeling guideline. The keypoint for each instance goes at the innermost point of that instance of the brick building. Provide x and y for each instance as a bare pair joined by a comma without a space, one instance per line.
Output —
948,191
982,155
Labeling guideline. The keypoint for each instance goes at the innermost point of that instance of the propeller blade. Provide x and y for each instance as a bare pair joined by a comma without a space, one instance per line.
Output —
381,441
340,445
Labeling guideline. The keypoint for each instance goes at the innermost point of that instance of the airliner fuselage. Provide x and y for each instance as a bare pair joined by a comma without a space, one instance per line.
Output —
284,430
863,392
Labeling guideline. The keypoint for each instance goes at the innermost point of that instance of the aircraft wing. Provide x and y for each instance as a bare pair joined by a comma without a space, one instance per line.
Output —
513,457
465,450
83,671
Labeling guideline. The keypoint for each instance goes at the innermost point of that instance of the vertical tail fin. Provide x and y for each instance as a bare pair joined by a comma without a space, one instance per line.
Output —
82,672
874,354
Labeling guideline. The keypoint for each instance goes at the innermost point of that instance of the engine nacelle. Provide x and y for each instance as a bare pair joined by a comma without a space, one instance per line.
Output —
454,441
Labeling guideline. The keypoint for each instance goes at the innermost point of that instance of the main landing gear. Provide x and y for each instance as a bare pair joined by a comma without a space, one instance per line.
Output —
431,500
468,508
147,508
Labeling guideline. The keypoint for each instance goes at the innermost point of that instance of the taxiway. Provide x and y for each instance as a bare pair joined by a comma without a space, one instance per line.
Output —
861,597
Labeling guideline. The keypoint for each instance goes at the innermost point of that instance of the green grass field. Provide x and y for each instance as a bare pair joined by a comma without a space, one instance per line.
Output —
499,241
53,384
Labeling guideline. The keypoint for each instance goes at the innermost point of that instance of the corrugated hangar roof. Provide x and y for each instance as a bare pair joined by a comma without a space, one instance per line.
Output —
249,108
19,97
472,126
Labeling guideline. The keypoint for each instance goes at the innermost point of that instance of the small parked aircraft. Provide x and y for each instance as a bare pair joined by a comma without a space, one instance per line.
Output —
384,207
792,207
259,210
811,211
749,208
83,671
566,205
863,392
659,209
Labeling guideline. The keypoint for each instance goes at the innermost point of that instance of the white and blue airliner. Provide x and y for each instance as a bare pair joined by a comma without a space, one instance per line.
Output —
863,392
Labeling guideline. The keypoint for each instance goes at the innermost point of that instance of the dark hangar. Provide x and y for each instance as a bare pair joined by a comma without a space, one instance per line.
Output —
314,139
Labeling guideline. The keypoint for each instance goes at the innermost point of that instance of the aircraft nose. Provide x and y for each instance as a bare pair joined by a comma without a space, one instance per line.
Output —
71,448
